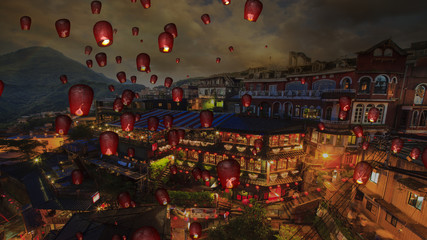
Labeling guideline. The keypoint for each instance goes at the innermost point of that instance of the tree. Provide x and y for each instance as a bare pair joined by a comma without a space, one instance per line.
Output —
287,232
81,132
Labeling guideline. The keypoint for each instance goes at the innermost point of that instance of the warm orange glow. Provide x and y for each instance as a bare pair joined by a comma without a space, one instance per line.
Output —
105,42
61,131
143,68
109,152
250,18
79,112
359,181
196,236
165,49
325,155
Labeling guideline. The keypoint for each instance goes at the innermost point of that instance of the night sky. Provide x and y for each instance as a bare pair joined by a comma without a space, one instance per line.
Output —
323,29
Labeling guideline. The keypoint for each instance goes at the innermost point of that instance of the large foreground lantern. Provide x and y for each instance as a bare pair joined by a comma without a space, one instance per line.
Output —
124,199
181,134
197,173
142,62
358,131
206,118
165,42
63,79
246,100
424,157
135,31
25,22
362,172
153,123
168,82
173,169
121,76
171,28
153,79
206,175
228,173
127,97
253,9
88,50
80,98
96,7
258,144
133,79
342,115
146,233
127,121
226,2
321,126
195,230
101,59
89,63
131,152
63,27
1,87
415,153
103,32
118,59
168,121
177,94
118,105
62,124
205,18
373,114
77,176
345,103
162,196
173,138
146,3
108,141
396,145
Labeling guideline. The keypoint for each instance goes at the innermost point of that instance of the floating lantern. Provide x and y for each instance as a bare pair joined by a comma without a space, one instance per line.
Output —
137,117
168,82
135,31
206,175
77,176
108,141
206,118
358,131
231,49
246,100
143,62
396,145
165,42
124,199
80,98
103,32
206,19
146,233
1,87
197,173
131,152
88,50
63,79
218,60
96,7
177,94
153,123
79,236
137,95
118,59
415,153
118,105
153,79
127,121
253,9
127,97
373,114
146,3
173,139
89,63
133,79
162,196
63,27
121,76
302,80
195,230
345,103
321,126
245,201
168,121
226,2
177,60
101,59
342,115
25,23
173,169
365,145
362,172
62,124
171,28
228,173
181,134
258,144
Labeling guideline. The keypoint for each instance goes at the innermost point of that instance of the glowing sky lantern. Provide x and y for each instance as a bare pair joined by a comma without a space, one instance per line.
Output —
206,175
362,172
153,123
258,144
424,157
177,94
135,31
63,27
77,176
302,80
165,42
133,79
177,60
118,59
321,126
25,22
168,82
226,2
197,173
171,28
101,59
146,3
205,18
153,79
415,153
142,62
345,103
373,114
195,230
118,105
1,87
246,100
127,97
173,169
63,78
124,199
131,152
89,63
168,121
365,145
127,121
181,134
146,232
96,7
206,118
103,32
80,98
121,76
173,138
231,48
88,50
396,145
218,60
342,115
111,88
358,131
62,124
253,9
228,173
109,142
162,196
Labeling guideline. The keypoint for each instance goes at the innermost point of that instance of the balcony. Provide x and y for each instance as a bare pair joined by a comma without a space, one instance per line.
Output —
337,93
286,94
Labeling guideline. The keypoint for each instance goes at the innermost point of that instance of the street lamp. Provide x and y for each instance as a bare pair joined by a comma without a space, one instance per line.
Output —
325,155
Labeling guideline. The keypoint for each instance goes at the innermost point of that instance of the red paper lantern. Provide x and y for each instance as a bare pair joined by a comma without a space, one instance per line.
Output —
173,169
146,3
253,9
396,145
131,152
342,115
173,137
77,176
197,173
135,31
373,114
318,189
345,103
358,131
80,97
321,126
121,76
245,201
206,175
133,79
365,145
137,117
424,157
226,2
168,82
103,32
101,59
63,79
231,49
63,27
137,95
96,7
362,172
168,121
62,124
177,94
206,118
165,42
118,105
88,50
258,144
153,123
153,79
171,28
415,153
127,97
302,80
218,60
124,199
195,230
181,134
127,121
118,59
1,87
246,100
79,236
146,233
228,173
206,19
25,22
142,62
177,60
89,63
162,196
108,141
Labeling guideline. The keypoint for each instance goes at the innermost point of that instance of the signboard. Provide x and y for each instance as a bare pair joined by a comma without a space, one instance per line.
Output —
95,197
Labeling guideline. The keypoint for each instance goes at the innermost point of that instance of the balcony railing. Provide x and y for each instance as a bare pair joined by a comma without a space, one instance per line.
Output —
286,94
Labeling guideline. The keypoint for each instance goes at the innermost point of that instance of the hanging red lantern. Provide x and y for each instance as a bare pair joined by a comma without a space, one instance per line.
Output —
80,98
79,236
131,152
206,19
231,49
168,121
127,97
162,196
342,115
362,172
96,7
373,114
133,79
177,94
345,103
206,118
302,80
365,145
143,62
171,28
177,60
25,22
63,79
118,105
197,173
121,76
77,176
103,32
137,95
135,31
146,233
101,59
153,123
118,59
108,141
415,153
165,41
258,144
63,27
396,145
206,175
173,139
88,50
89,63
195,230
146,3
358,131
181,134
246,100
153,79
226,2
124,199
253,9
168,82
62,124
321,126
127,121
137,117
1,87
173,169
424,157
228,173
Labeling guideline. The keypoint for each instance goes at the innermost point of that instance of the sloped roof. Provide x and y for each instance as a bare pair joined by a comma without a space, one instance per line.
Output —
385,43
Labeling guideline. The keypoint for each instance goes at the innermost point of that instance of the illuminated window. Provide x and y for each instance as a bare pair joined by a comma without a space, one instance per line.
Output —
364,86
160,104
380,86
358,114
420,91
415,201
374,176
380,107
352,140
339,141
345,83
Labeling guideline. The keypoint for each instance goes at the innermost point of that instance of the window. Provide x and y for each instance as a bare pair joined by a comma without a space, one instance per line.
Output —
423,117
324,84
391,219
380,107
414,118
367,108
381,84
339,140
378,52
297,111
259,86
374,176
364,86
358,114
328,113
345,84
415,201
371,207
328,139
251,87
420,91
352,140
388,52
